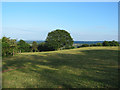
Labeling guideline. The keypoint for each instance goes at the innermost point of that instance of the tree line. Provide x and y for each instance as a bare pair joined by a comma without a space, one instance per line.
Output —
105,43
56,40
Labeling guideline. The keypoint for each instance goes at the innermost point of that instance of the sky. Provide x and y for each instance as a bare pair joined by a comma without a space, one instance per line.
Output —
85,21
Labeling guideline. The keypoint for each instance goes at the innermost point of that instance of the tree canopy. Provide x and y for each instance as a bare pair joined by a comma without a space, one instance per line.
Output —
23,46
110,43
9,46
34,46
58,39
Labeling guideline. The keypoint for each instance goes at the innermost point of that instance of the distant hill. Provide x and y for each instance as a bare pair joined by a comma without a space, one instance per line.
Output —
87,42
75,42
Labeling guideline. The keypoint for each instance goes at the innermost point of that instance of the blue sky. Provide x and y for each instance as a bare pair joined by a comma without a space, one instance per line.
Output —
87,21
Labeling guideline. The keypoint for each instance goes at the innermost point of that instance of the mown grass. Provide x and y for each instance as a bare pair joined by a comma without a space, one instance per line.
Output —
89,67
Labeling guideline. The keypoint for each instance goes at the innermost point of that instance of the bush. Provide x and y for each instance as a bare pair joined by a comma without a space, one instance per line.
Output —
93,44
113,43
85,45
72,47
78,46
41,47
99,44
110,43
105,43
45,47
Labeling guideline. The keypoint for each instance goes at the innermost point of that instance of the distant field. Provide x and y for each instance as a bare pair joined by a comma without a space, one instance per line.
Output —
89,67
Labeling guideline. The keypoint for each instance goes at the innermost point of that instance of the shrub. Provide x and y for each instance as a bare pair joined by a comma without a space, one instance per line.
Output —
85,45
105,43
110,43
72,47
99,44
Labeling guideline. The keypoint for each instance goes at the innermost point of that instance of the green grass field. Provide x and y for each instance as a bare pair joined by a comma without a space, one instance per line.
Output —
89,67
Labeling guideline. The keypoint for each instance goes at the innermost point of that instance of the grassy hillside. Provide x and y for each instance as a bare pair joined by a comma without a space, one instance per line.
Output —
89,67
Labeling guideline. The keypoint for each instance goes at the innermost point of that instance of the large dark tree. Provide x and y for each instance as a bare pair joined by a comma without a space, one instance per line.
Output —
58,39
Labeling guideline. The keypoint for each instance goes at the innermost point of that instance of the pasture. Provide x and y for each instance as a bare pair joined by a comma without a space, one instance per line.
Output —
88,67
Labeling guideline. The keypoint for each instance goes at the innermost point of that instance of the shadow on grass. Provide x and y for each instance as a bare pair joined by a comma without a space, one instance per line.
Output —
99,66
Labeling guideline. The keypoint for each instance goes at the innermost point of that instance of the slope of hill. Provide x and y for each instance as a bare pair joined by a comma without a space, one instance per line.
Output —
89,67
